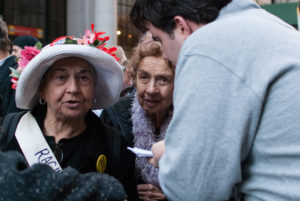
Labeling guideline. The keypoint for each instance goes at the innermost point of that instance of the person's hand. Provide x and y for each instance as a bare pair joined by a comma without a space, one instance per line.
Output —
148,192
158,150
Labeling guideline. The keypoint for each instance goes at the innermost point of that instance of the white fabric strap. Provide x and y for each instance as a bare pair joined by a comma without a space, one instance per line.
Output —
33,144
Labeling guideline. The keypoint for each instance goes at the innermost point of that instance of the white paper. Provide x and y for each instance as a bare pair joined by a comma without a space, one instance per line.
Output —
141,152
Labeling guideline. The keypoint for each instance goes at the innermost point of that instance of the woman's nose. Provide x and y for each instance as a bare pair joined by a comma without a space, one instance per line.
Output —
72,85
151,88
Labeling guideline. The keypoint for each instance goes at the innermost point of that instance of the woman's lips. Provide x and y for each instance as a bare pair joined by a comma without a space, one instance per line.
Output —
72,104
151,103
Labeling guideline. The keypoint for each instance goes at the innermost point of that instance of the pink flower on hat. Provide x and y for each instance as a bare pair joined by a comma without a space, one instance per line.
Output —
89,36
26,55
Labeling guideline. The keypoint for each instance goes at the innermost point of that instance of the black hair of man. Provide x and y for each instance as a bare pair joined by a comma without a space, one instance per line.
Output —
161,13
5,44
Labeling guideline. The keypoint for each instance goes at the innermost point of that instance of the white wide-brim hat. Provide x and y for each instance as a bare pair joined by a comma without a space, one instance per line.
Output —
108,78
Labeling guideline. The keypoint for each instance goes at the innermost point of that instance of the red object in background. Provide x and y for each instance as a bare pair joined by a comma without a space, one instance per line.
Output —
15,30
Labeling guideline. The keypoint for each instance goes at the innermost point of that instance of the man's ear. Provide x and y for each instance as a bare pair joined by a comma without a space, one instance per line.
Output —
182,26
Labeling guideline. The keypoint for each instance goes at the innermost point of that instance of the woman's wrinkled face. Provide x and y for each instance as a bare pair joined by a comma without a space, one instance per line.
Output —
154,85
69,89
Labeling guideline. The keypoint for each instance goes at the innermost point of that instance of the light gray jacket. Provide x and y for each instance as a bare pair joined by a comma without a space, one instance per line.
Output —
236,110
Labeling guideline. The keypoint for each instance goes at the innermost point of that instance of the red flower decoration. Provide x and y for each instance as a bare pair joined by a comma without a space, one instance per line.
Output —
92,38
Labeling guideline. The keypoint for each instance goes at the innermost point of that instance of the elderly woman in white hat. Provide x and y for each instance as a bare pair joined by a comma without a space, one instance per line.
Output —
60,86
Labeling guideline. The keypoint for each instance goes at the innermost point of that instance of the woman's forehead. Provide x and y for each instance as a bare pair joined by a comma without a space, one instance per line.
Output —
69,65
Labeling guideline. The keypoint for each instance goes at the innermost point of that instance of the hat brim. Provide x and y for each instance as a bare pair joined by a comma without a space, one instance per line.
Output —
109,77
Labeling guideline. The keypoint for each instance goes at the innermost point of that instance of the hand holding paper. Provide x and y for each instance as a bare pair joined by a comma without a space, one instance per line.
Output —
158,150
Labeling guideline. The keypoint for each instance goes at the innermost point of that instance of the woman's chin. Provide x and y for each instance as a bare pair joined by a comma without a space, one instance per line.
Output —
72,114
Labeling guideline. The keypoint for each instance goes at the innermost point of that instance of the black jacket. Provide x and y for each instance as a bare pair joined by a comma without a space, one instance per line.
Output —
40,183
7,94
119,117
82,152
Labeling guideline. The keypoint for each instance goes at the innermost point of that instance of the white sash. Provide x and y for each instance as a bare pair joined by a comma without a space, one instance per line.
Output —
33,144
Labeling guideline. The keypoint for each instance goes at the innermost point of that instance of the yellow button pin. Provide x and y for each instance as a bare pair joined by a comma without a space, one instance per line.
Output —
101,163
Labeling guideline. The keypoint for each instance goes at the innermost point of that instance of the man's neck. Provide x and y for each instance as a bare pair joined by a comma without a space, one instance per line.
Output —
193,26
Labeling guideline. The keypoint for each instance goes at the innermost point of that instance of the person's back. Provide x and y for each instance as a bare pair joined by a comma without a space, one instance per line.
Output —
250,64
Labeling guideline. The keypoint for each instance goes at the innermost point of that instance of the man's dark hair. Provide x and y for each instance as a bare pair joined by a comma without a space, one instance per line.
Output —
5,44
161,13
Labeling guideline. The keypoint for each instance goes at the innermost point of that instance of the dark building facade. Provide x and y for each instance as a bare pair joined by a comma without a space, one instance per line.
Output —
129,34
47,20
44,19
